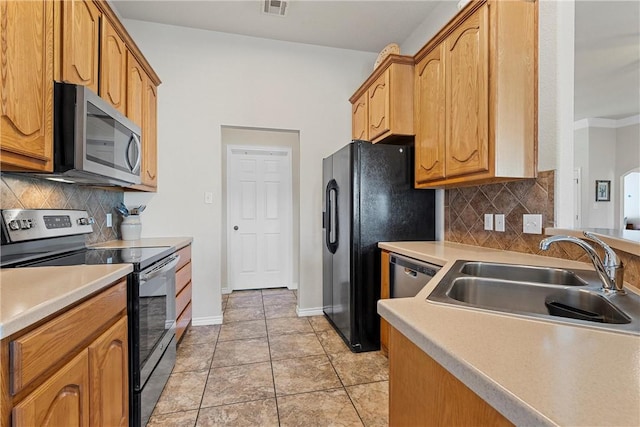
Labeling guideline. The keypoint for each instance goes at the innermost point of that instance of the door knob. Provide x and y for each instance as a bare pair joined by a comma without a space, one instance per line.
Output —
235,228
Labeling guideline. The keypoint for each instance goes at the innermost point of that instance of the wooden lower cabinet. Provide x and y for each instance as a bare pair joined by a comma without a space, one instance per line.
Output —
86,386
62,400
423,393
183,292
109,376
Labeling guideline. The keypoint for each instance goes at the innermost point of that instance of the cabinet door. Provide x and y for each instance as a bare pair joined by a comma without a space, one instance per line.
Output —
150,136
467,96
62,400
80,43
109,373
359,118
430,116
136,82
113,67
26,84
379,106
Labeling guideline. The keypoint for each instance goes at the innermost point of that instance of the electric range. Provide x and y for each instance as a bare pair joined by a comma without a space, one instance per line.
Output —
44,237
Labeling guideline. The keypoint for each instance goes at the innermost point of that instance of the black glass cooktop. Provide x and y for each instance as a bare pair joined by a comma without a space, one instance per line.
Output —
141,258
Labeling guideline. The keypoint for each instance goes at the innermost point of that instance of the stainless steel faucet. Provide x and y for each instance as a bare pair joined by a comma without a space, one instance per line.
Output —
610,271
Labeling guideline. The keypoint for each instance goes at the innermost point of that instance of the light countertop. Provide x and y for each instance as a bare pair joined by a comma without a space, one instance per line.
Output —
28,295
534,372
624,240
150,242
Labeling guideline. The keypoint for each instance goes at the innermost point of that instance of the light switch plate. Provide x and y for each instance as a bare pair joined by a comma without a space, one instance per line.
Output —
499,222
532,223
488,222
208,197
109,220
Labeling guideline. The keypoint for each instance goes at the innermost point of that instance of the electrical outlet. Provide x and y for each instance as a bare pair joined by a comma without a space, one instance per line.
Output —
499,222
208,197
109,220
488,222
532,223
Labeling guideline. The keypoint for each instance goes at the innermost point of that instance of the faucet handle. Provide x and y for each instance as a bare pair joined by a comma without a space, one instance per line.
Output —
610,257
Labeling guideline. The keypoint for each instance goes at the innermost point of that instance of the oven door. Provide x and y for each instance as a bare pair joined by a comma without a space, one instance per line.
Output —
153,316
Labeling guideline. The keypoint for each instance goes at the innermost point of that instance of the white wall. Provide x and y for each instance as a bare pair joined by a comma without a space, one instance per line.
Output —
438,18
632,198
214,79
602,160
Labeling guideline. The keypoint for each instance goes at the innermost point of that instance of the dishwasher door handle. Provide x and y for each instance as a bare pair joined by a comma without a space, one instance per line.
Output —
410,272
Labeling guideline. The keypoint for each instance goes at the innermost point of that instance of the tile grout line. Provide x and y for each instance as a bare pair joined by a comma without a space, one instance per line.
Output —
339,378
204,390
273,376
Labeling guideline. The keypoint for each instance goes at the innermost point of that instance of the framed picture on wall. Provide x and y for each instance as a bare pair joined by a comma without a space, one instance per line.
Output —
603,191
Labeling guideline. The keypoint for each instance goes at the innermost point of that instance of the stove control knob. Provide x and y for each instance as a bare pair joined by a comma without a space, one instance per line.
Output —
26,224
86,221
14,224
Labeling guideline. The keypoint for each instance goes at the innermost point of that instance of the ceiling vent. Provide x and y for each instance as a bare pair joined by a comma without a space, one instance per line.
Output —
275,7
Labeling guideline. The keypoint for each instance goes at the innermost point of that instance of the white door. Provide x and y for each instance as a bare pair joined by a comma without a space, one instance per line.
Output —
259,217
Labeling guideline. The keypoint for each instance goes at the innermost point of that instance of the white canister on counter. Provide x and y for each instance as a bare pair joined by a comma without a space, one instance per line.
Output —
131,227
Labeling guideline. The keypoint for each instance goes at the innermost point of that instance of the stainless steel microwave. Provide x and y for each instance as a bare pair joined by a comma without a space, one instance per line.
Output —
93,142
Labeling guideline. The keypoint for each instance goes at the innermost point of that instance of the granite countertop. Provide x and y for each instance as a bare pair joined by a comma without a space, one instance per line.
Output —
534,372
150,242
28,295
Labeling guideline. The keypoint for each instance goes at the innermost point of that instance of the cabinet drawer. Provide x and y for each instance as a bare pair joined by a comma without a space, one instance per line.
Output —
185,257
183,276
183,321
35,352
183,298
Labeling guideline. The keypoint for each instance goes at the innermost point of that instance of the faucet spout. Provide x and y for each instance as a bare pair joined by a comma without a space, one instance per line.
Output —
609,283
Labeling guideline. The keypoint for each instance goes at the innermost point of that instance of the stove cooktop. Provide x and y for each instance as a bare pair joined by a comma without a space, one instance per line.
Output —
139,257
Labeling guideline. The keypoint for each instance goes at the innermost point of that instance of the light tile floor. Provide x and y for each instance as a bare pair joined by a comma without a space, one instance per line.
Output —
267,367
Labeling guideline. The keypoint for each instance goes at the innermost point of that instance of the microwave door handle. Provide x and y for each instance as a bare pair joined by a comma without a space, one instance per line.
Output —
134,138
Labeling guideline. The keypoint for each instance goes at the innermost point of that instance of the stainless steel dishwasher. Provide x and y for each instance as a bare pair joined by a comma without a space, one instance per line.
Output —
408,275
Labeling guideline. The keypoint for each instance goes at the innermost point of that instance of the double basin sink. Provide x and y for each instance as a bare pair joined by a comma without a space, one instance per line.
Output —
560,295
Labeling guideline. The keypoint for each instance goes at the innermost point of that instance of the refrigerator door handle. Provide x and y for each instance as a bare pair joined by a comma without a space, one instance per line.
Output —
331,216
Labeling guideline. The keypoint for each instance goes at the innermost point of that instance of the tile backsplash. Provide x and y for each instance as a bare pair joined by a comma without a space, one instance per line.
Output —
22,192
464,219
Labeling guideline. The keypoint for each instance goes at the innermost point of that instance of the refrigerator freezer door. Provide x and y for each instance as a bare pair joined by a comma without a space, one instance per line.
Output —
337,241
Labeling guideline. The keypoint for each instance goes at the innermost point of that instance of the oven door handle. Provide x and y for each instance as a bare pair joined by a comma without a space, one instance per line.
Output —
167,265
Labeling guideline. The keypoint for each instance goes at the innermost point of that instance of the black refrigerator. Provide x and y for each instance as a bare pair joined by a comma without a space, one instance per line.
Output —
368,198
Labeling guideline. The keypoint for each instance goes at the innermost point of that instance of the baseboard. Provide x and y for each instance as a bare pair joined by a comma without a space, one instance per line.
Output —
293,287
226,290
209,320
304,312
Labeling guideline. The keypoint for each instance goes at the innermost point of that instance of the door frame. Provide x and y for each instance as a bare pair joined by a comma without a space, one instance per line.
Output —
259,149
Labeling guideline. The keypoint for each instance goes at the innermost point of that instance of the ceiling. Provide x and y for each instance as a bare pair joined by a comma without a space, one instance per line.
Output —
607,55
359,25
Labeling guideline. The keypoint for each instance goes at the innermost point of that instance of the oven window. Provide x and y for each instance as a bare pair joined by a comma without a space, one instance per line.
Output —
156,313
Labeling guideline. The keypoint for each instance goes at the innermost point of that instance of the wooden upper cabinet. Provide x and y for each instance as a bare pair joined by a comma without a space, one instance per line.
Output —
467,99
477,80
136,85
383,105
360,118
62,400
378,98
26,85
113,67
150,136
80,43
430,116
